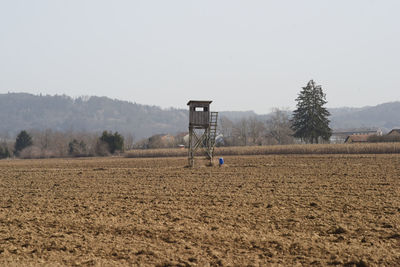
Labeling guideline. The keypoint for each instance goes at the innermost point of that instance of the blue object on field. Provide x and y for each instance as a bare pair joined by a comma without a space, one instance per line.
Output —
221,161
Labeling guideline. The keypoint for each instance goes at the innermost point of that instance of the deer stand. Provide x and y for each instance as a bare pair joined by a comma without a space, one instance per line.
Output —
202,130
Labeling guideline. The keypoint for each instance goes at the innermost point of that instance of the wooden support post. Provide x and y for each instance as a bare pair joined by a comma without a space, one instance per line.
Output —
190,153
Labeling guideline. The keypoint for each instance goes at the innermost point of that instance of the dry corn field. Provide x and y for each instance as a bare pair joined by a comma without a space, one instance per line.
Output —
254,211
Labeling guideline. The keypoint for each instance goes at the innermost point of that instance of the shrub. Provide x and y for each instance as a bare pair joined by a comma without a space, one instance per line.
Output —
101,149
77,149
31,152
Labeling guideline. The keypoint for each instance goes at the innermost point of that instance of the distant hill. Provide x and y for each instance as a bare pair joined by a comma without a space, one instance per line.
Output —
385,116
94,114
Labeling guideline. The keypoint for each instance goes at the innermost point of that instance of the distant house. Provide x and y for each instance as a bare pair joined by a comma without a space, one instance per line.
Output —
161,141
342,136
167,140
357,138
394,132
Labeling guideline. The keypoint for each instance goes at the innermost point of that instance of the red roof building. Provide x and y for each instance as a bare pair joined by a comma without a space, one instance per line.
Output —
357,138
394,132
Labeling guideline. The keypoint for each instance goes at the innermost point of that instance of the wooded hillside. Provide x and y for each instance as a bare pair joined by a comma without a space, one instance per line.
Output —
20,111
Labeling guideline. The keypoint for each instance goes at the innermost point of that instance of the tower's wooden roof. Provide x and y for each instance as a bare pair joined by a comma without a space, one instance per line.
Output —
199,102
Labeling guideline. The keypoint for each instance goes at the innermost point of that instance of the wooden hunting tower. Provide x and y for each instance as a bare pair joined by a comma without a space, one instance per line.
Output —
202,129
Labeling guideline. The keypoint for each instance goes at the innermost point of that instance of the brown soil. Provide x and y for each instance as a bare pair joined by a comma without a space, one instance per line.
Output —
255,210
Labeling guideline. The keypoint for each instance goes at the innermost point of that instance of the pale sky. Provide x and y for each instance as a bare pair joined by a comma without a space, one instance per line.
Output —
243,55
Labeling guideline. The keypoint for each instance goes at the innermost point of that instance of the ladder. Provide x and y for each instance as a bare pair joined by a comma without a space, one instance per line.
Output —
212,133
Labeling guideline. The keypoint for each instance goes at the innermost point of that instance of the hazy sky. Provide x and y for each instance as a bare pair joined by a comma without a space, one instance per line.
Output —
243,55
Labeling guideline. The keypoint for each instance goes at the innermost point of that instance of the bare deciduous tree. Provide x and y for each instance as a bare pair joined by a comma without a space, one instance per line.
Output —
256,130
226,129
278,127
240,132
129,141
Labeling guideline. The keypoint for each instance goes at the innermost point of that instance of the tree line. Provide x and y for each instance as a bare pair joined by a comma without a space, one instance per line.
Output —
309,123
276,130
48,144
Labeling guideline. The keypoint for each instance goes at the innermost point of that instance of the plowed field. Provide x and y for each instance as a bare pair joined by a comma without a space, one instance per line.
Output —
255,210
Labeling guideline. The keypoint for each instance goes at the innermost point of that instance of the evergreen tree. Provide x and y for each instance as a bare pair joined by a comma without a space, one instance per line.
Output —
310,120
23,140
114,141
4,153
